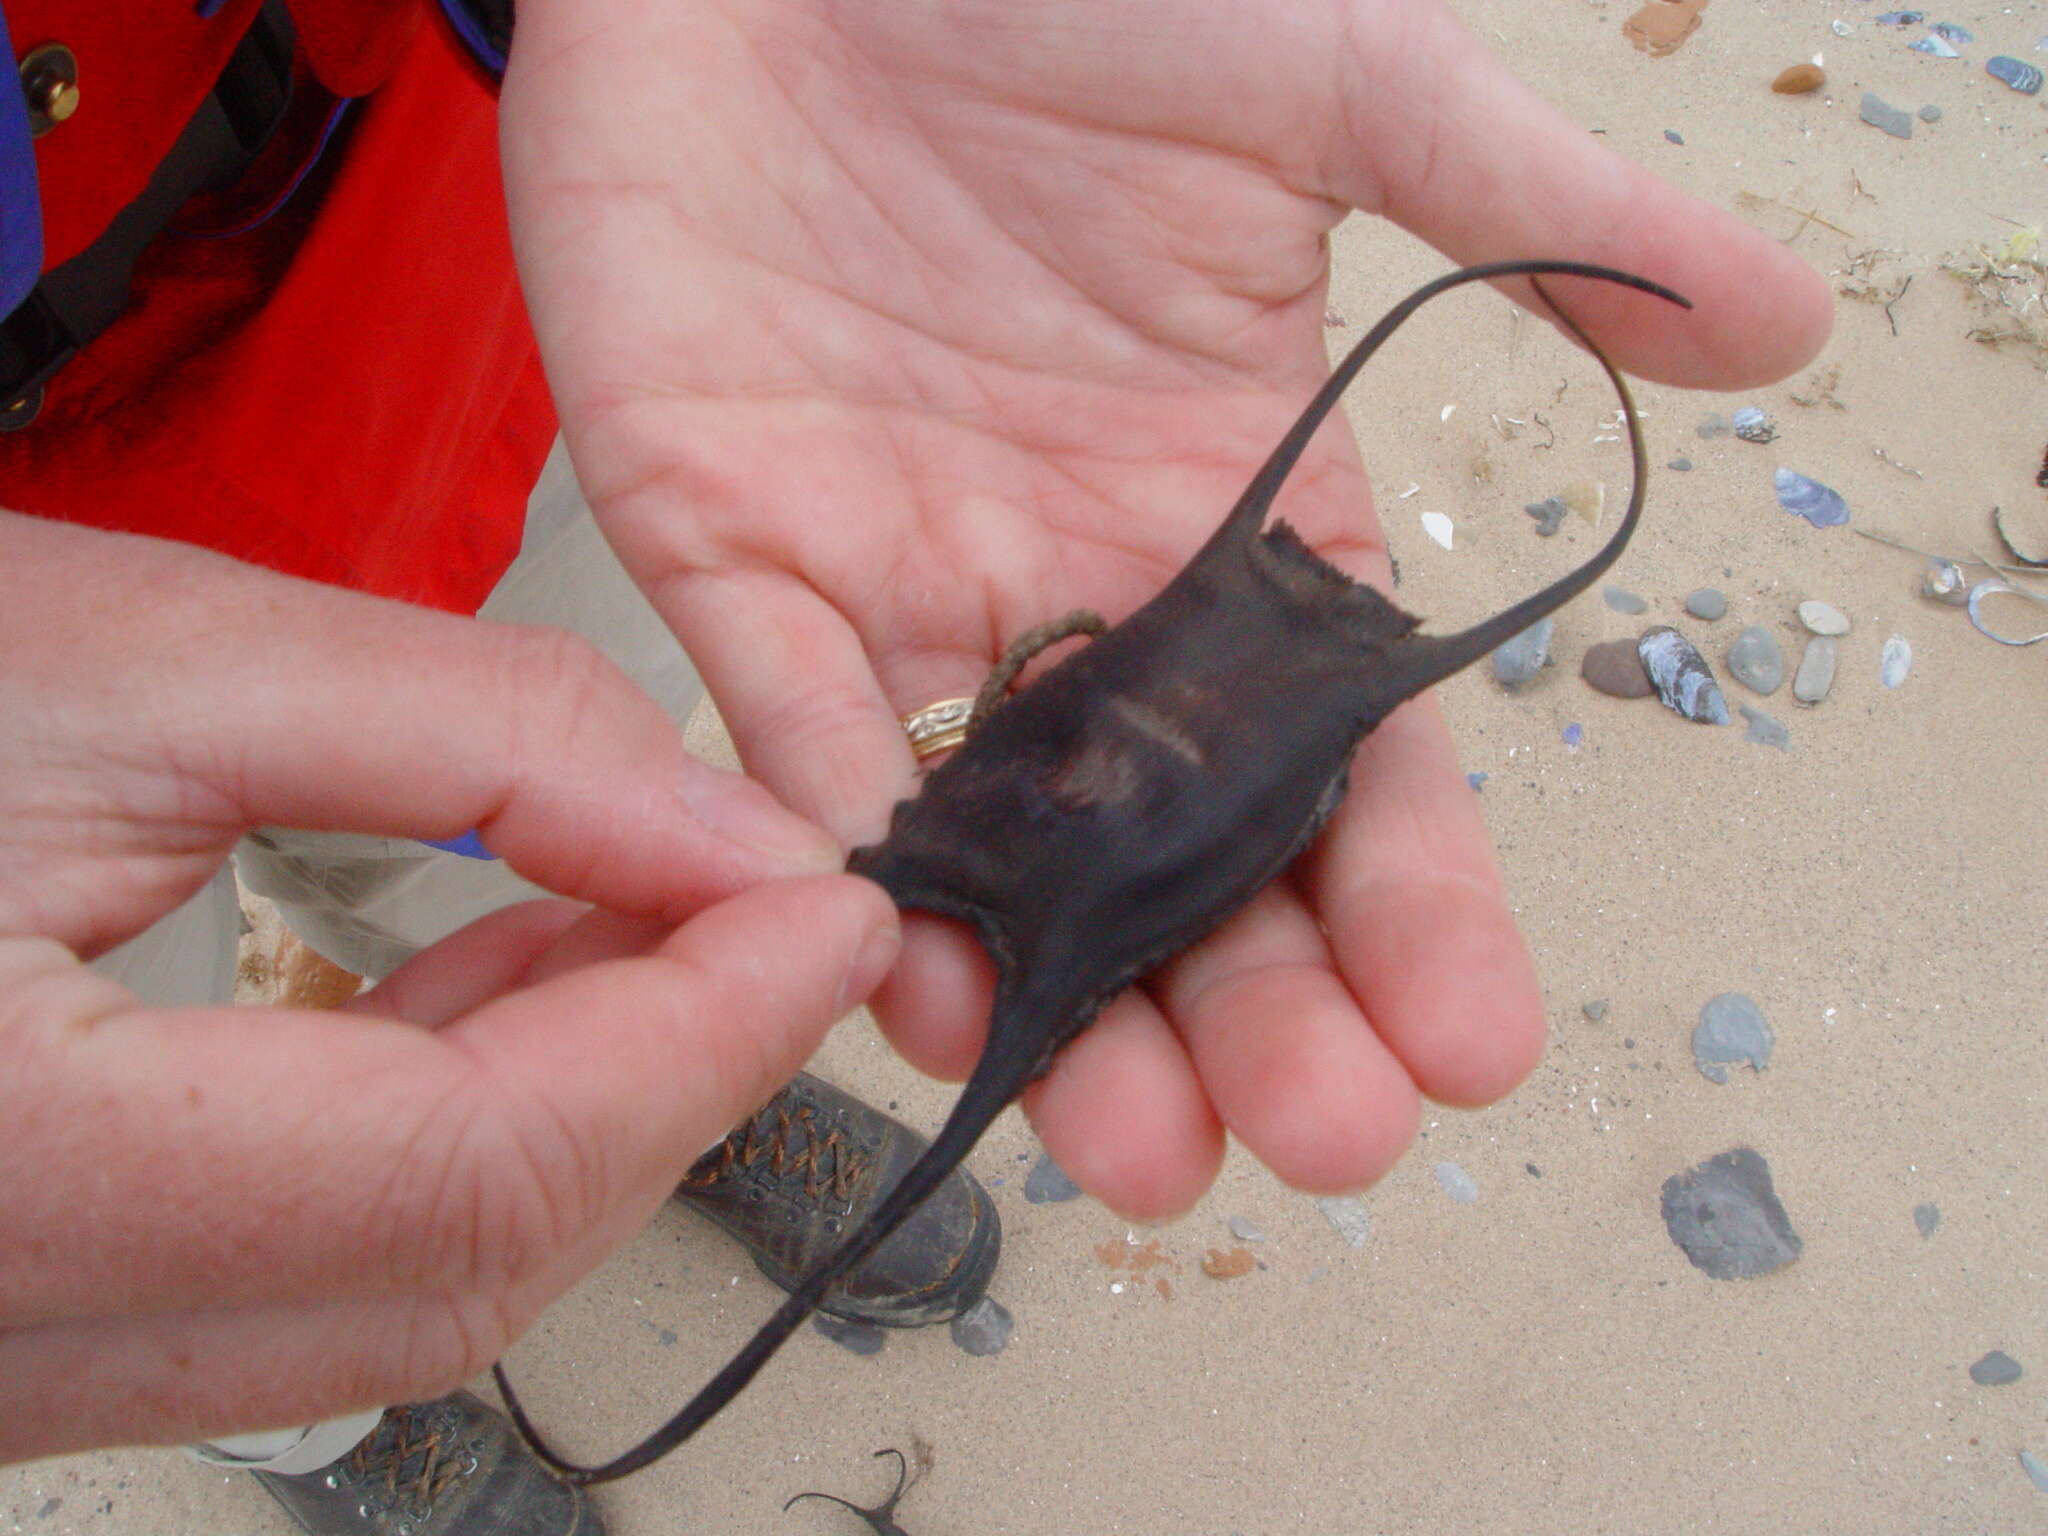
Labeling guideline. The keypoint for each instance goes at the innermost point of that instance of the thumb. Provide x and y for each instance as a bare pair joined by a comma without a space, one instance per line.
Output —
163,699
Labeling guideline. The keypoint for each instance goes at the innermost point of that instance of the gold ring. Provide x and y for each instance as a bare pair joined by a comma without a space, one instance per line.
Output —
937,727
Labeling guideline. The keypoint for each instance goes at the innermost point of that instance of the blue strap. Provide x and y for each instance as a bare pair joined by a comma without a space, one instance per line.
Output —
21,203
470,29
470,845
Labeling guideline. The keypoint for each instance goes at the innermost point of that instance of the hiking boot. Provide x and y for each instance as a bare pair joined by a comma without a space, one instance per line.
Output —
800,1176
452,1467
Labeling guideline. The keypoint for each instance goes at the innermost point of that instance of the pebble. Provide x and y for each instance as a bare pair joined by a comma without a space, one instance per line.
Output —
2035,1468
1728,1219
1997,1369
1615,668
1048,1184
1927,1216
1457,1183
1732,1031
984,1328
1596,1010
1753,424
1798,79
1709,603
1896,662
1518,661
1713,426
1245,1230
1880,113
1822,618
1621,600
1765,731
860,1338
1348,1216
1681,464
1756,661
1477,781
1930,113
1673,136
1684,680
1549,514
1816,674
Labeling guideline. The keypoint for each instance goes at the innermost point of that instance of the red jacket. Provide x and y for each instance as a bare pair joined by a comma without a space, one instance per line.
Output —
350,390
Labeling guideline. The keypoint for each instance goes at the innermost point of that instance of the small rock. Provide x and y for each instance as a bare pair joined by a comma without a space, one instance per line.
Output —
2035,1468
1549,514
1763,730
1673,136
984,1328
1816,674
1927,1216
1245,1231
1573,734
1684,680
1596,1010
1623,601
1477,781
1732,1030
1048,1183
1457,1183
860,1338
1997,1369
1896,661
1754,425
1348,1216
1518,661
1728,1219
1756,662
50,1506
1615,668
1218,1265
1930,113
1681,464
1822,619
1713,426
1708,603
1798,79
1880,113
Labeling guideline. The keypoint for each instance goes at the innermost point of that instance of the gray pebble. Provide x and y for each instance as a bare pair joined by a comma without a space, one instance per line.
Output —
984,1328
1549,514
1457,1183
1927,1216
1714,426
1615,668
1709,603
1732,1030
1048,1183
1896,662
1596,1010
1763,730
1681,464
1880,113
1930,113
1728,1219
1348,1216
1756,661
860,1338
1521,658
1816,674
1684,680
2035,1468
1245,1230
1622,601
1997,1369
1673,136
1823,618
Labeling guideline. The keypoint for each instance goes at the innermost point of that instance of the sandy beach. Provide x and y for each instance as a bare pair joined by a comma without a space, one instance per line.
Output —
1516,1343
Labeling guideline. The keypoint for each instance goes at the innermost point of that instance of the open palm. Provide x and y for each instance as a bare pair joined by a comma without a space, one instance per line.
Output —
883,331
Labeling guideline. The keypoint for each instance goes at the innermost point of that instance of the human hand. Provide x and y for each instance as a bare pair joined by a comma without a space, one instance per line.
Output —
883,332
225,1219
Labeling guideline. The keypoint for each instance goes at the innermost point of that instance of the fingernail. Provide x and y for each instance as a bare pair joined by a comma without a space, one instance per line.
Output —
870,963
747,816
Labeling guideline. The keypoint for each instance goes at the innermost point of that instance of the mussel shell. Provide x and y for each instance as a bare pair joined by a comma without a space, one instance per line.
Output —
2017,73
1819,504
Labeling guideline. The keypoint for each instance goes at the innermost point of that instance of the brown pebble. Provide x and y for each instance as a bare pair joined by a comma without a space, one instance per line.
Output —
1800,79
1615,668
1218,1265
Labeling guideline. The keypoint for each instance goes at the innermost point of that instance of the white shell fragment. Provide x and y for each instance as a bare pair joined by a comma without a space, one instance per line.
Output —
1896,662
1945,582
1438,527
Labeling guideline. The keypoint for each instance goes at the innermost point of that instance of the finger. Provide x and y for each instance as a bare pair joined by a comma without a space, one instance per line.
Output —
1490,171
1291,1063
1405,885
1124,1114
471,966
547,1123
260,698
